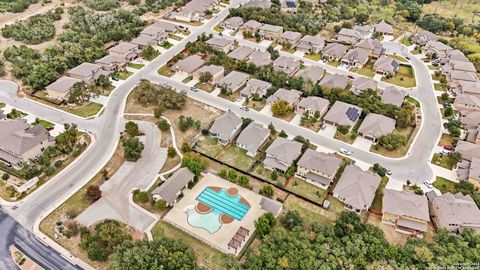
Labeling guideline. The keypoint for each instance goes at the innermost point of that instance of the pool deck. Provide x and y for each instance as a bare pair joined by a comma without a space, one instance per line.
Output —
220,239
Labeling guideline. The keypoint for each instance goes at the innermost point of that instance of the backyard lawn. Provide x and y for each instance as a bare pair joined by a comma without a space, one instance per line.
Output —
404,77
237,157
209,146
88,110
444,185
443,161
206,256
266,174
310,213
166,71
135,65
306,189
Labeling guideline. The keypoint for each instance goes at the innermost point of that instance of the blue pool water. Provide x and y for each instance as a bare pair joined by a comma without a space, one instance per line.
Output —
221,202
210,221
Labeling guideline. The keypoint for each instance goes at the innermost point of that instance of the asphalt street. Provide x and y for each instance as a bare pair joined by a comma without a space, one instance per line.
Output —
13,233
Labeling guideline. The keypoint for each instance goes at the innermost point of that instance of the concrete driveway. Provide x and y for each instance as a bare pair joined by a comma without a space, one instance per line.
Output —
114,203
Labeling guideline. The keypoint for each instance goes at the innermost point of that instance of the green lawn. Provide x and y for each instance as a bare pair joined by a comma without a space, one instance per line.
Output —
440,87
398,58
187,79
175,37
167,45
367,70
209,146
266,174
306,189
406,41
314,57
205,87
404,77
157,53
377,204
88,110
437,77
291,50
218,28
166,71
334,64
206,256
122,75
44,123
414,101
443,161
444,185
237,158
135,65
189,23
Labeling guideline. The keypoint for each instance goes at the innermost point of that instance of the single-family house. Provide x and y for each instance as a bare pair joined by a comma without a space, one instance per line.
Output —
318,168
311,44
376,125
214,70
291,96
383,28
143,41
356,188
289,6
286,64
281,154
226,127
473,135
406,211
311,74
252,138
333,52
365,31
454,212
221,44
257,4
465,103
386,66
251,26
470,119
112,62
154,32
241,53
20,142
362,84
458,76
355,58
435,48
290,38
343,114
270,32
334,81
393,95
454,55
459,66
259,58
312,105
468,150
348,36
421,38
233,81
126,50
87,72
255,87
189,65
232,23
172,188
168,26
60,89
373,47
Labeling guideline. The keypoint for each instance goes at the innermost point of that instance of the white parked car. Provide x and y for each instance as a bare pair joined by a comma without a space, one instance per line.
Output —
245,108
345,151
428,183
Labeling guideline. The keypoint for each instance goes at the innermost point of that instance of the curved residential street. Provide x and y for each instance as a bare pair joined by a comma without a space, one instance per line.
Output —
107,127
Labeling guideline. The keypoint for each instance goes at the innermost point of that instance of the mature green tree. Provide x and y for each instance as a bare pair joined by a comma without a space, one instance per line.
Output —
149,53
132,129
132,149
281,108
392,141
264,224
267,191
160,254
292,219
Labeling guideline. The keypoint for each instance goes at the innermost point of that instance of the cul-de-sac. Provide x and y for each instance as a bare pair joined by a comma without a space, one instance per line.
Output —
239,134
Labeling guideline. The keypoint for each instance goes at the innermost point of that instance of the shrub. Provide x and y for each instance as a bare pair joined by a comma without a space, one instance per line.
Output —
142,197
291,220
171,152
267,191
161,205
163,125
93,193
5,176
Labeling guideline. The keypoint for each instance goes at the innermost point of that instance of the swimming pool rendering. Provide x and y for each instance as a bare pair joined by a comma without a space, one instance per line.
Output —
217,206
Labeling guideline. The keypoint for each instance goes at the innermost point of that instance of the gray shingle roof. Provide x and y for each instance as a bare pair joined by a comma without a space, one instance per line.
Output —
314,104
256,86
393,95
285,150
335,49
357,187
376,125
241,53
62,84
361,84
84,69
383,27
253,136
271,206
123,47
334,81
259,58
327,164
234,80
190,63
169,189
457,208
405,203
468,150
291,96
338,114
221,42
387,64
312,73
225,125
